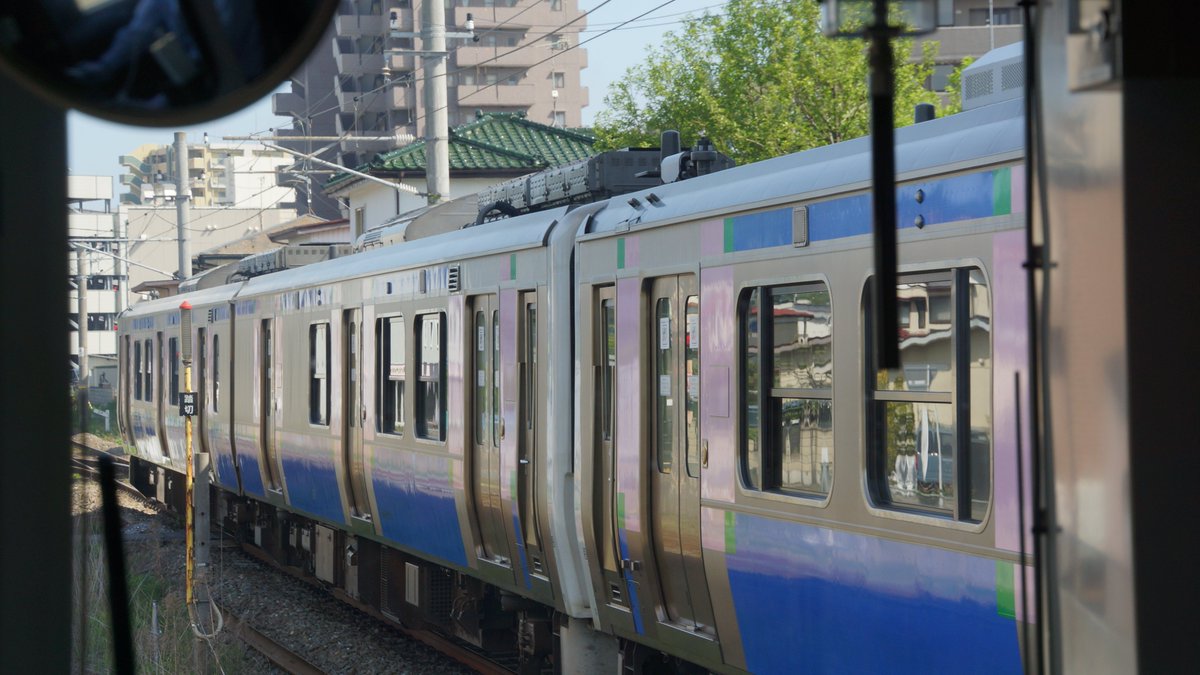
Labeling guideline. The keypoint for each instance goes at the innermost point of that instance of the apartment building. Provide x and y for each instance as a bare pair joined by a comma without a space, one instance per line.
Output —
360,86
969,28
235,175
97,237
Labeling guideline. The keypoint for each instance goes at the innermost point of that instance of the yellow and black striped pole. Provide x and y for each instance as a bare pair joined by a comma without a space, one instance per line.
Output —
185,327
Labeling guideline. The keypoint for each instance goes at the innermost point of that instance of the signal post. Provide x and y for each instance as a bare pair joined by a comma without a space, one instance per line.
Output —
196,498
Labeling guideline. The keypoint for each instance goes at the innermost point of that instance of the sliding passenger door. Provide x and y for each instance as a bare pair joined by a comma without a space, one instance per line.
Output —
675,451
353,414
604,485
485,424
270,459
527,439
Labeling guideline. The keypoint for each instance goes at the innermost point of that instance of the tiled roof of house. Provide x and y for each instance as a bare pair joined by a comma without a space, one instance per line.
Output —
493,142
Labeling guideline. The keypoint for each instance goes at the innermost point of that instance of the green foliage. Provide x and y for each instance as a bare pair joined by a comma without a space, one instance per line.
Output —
954,88
760,81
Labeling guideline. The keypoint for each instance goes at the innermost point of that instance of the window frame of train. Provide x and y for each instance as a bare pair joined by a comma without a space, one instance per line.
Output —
173,379
938,400
148,351
431,375
763,462
137,370
391,384
216,373
319,353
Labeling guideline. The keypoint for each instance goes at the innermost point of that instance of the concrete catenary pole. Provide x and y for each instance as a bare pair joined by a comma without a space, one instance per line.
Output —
437,132
183,192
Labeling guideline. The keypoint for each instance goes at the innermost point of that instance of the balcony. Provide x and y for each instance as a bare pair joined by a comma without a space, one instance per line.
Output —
135,164
401,64
288,103
513,18
404,19
358,25
497,57
376,101
359,64
959,42
499,95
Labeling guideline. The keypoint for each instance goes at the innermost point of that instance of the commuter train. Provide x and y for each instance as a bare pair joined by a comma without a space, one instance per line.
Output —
644,432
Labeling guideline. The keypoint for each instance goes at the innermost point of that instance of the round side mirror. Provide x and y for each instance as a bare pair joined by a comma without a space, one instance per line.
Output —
158,62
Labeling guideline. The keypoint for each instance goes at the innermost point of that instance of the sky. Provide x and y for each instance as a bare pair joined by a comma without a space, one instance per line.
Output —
94,145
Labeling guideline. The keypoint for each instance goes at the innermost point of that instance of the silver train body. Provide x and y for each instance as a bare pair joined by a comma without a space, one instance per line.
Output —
645,429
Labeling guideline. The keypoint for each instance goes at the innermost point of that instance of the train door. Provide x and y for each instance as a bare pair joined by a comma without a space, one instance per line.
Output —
675,453
604,487
528,406
266,401
353,414
485,428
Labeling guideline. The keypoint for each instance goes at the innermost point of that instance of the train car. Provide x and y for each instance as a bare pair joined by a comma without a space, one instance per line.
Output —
643,433
761,500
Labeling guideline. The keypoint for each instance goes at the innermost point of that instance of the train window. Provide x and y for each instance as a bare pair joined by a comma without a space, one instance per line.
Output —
664,376
137,370
216,370
691,364
149,388
610,366
173,384
481,390
929,425
431,402
389,335
318,373
496,378
788,389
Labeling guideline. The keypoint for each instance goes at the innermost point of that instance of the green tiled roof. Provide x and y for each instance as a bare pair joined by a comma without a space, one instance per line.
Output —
493,142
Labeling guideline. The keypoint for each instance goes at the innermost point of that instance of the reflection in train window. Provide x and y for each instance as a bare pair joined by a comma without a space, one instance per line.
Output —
173,383
431,403
664,378
149,388
389,398
788,418
137,370
930,419
216,377
318,373
608,370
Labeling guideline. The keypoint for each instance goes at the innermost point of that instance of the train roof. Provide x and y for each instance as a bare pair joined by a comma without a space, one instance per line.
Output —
991,132
501,236
200,298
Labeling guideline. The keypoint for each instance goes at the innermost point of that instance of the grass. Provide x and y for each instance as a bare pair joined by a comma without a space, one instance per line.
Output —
155,578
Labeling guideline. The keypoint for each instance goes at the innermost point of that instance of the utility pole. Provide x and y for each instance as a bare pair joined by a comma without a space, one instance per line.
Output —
183,192
437,126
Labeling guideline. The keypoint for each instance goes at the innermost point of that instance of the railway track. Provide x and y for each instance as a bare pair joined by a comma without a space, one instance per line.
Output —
85,461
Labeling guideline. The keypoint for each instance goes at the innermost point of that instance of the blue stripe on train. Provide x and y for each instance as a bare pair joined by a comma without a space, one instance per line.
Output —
416,504
819,600
945,200
251,478
226,472
312,486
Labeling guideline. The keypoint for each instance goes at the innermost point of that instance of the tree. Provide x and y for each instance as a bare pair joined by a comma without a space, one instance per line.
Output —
954,88
760,81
